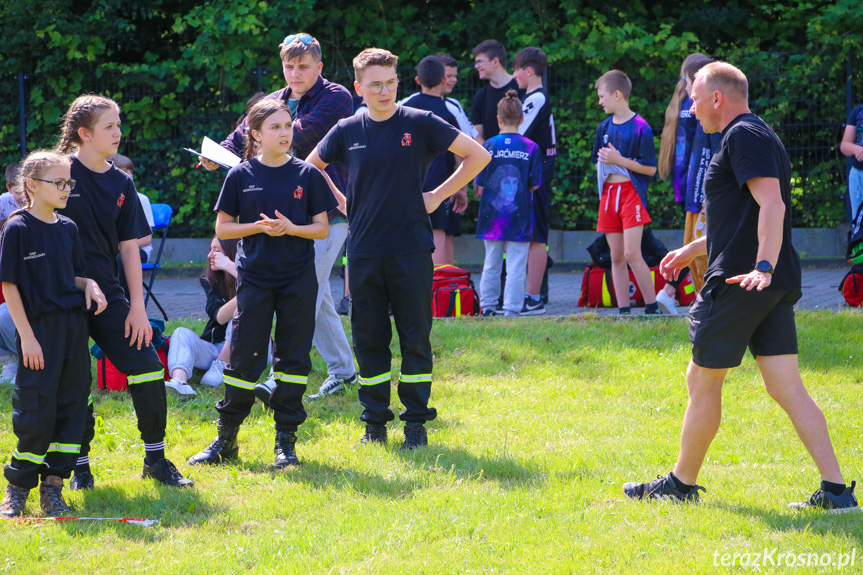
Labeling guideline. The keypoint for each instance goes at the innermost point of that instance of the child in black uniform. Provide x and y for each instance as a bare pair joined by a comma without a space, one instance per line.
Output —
42,273
106,209
275,274
387,153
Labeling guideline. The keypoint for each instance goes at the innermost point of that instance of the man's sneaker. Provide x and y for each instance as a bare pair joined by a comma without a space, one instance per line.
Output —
215,374
333,385
822,499
374,434
489,312
51,497
82,480
508,313
223,449
264,390
656,311
532,306
415,436
344,307
286,455
662,488
180,388
666,303
165,473
14,501
10,369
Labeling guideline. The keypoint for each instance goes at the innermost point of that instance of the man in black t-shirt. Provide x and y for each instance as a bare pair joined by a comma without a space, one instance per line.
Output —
748,245
430,76
387,152
490,63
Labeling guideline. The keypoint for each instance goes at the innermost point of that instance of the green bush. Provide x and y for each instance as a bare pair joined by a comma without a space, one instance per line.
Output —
183,69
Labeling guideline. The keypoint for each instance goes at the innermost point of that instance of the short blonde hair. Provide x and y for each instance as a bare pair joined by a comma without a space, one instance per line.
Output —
614,81
725,78
374,57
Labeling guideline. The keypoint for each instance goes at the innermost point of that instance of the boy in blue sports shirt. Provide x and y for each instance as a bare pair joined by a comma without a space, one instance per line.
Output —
625,158
387,152
852,147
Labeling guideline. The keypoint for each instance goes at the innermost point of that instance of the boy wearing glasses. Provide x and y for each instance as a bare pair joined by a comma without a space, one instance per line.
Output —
316,104
387,153
490,63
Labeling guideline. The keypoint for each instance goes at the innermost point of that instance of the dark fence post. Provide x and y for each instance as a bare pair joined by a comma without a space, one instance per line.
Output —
22,110
259,72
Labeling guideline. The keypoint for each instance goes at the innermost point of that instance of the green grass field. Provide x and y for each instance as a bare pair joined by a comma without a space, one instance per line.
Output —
540,422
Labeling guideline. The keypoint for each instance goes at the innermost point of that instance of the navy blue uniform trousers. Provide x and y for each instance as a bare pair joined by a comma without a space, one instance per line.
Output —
49,406
294,306
405,282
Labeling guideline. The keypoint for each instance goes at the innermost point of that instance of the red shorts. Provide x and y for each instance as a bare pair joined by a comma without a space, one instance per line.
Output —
620,208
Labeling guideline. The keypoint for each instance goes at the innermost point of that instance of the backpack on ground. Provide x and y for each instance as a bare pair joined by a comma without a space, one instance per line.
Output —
851,286
597,288
453,292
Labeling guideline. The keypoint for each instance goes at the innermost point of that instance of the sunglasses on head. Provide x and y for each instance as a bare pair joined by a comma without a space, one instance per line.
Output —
304,38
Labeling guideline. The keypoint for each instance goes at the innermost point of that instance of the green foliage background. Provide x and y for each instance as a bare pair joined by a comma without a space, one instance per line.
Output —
182,69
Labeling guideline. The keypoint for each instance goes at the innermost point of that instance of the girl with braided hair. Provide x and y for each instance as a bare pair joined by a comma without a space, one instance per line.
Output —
110,220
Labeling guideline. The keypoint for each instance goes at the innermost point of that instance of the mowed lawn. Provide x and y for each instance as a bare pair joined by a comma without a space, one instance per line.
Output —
540,422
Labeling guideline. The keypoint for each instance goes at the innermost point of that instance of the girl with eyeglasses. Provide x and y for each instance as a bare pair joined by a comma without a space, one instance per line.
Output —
42,273
110,220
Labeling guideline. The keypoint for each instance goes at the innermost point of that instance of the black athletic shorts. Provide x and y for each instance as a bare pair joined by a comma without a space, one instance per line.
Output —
453,223
542,203
439,218
726,319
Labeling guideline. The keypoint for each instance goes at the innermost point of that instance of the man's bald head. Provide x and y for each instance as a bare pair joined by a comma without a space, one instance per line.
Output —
725,78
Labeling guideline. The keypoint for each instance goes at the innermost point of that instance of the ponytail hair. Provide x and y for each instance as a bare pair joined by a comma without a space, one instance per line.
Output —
83,113
255,120
668,142
34,166
509,109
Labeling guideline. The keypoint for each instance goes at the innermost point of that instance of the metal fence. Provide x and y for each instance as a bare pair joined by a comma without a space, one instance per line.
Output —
807,111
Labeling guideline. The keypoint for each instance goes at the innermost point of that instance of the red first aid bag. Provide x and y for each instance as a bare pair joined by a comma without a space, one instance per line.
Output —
597,288
453,292
851,286
109,378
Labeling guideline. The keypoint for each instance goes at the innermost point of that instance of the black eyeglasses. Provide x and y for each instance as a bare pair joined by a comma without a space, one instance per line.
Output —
304,38
59,182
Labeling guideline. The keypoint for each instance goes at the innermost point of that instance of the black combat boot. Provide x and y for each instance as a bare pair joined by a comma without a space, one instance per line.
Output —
223,449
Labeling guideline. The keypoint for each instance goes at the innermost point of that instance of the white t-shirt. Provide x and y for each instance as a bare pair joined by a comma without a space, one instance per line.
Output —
148,213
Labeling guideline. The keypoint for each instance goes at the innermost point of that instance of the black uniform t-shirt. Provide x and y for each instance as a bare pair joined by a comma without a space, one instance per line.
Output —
106,208
749,149
299,192
484,108
42,260
443,165
387,164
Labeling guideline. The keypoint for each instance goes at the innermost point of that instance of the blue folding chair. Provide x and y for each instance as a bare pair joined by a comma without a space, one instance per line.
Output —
161,219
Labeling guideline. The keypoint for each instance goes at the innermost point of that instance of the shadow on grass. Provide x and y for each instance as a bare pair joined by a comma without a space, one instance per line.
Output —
814,521
172,507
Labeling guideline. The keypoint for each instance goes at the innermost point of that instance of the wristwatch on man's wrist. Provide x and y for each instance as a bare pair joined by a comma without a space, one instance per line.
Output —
764,267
